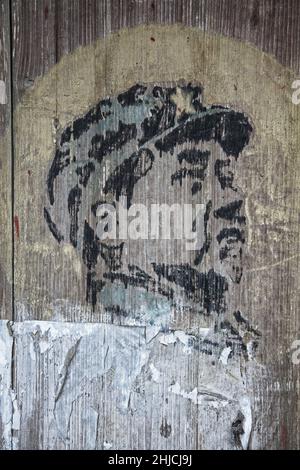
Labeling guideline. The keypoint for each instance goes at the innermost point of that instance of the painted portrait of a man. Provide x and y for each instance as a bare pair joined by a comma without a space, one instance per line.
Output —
156,146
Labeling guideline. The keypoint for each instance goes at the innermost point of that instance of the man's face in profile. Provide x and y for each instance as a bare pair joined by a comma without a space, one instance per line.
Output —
165,148
187,176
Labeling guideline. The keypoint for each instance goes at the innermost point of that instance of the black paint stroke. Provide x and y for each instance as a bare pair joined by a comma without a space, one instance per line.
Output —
84,172
231,232
52,227
116,310
82,124
91,247
207,236
207,289
243,321
229,128
194,157
162,114
74,201
132,96
231,212
225,180
101,145
112,255
94,287
182,173
121,182
60,161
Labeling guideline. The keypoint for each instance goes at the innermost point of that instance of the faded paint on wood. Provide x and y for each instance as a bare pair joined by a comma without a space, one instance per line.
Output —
51,277
42,132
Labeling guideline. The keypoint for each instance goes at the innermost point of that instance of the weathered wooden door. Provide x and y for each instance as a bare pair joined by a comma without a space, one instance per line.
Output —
149,224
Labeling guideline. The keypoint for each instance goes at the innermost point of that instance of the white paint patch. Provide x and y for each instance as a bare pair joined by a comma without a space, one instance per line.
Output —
3,358
167,339
245,405
156,375
182,337
193,395
107,445
250,350
202,396
224,355
16,413
3,98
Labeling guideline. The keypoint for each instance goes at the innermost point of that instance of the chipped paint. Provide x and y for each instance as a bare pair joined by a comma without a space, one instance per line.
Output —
6,404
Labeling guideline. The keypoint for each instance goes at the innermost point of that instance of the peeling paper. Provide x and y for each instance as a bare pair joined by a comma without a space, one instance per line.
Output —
167,339
197,396
6,405
184,338
90,372
86,353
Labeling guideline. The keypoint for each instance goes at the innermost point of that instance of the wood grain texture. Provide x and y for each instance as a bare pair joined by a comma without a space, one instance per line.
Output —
52,29
150,388
5,164
34,42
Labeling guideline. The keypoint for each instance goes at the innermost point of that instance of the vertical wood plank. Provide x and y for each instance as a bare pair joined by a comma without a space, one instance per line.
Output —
35,42
35,52
5,164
